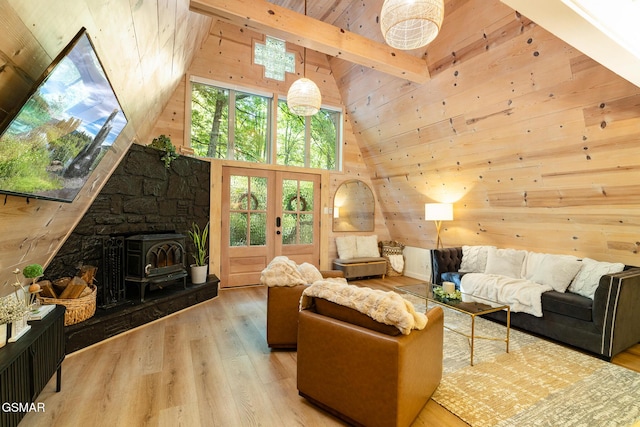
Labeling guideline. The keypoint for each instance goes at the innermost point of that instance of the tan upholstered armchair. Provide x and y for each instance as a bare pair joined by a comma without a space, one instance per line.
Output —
361,373
282,312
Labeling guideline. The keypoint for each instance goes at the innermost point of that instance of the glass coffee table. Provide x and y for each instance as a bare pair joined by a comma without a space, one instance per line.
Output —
476,306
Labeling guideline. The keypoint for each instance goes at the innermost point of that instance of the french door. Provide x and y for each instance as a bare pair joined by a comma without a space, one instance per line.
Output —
267,213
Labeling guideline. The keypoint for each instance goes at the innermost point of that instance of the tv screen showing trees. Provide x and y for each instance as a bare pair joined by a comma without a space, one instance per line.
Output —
59,135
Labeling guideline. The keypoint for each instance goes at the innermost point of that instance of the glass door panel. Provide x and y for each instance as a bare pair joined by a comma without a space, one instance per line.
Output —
265,214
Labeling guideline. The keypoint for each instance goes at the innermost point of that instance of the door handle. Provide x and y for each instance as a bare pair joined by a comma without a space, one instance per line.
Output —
278,222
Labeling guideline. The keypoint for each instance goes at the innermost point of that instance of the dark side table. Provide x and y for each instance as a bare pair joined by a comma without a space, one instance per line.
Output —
27,365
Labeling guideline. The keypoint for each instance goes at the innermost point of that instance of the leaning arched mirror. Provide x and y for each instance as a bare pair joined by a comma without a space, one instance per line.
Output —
353,207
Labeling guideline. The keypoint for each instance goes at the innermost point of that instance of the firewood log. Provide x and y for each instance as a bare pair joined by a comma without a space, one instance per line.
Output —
88,273
74,288
46,289
60,284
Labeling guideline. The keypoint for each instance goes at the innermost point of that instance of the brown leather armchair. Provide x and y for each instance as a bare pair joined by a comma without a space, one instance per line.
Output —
282,312
364,376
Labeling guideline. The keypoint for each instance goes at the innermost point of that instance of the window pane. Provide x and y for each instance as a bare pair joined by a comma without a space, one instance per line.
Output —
289,229
290,144
325,126
251,128
306,196
238,229
209,120
258,229
229,124
289,195
306,229
239,188
258,193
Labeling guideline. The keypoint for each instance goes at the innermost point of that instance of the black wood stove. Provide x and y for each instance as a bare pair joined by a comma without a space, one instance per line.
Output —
152,260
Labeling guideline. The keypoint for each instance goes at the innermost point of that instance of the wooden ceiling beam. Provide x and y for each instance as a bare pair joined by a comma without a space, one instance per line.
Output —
276,21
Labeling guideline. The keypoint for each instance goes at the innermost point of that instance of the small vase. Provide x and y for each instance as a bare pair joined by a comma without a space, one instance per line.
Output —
198,274
3,335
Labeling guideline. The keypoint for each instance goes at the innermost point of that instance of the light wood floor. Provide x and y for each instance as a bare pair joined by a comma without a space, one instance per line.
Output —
205,366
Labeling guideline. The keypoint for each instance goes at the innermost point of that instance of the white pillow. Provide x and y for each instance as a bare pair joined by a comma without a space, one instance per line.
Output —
474,259
531,263
556,271
346,246
588,278
505,262
310,273
367,246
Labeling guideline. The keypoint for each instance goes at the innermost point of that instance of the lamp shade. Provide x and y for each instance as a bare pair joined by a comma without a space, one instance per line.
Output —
304,98
438,211
410,24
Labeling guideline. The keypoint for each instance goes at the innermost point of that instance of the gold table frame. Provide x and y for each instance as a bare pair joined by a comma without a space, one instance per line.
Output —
472,309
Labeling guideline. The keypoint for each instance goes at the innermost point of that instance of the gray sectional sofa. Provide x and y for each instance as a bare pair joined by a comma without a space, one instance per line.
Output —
604,325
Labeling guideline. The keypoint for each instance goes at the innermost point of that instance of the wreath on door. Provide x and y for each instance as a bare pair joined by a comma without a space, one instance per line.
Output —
303,203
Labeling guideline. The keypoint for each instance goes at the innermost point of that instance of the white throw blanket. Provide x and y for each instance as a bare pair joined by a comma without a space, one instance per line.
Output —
384,307
397,262
520,294
282,271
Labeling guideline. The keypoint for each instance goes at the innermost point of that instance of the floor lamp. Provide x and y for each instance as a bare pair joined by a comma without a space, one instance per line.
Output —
438,212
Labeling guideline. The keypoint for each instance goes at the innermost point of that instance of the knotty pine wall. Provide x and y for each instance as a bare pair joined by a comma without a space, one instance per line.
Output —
145,47
536,144
226,57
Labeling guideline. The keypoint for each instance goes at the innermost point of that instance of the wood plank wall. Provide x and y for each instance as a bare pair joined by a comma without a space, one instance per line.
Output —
226,57
145,47
535,143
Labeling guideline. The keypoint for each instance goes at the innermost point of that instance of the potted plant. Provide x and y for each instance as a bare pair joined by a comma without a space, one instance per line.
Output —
163,143
33,272
199,238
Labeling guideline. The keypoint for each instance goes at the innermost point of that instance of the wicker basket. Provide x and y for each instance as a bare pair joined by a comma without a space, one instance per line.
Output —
391,248
78,309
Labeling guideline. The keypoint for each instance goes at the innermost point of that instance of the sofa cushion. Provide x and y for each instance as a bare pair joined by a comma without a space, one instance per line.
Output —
367,246
347,247
531,263
567,304
474,259
588,278
349,315
556,271
505,262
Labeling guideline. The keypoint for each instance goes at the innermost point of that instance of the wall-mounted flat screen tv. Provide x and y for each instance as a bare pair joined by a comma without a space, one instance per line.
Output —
60,133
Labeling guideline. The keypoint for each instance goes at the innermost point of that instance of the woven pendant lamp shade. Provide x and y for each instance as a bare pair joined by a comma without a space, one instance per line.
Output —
410,24
304,97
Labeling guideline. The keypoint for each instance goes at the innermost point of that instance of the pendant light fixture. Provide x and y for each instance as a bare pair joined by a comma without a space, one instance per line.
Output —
304,97
410,24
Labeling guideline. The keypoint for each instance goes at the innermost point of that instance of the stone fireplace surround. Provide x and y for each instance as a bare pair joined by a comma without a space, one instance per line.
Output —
141,197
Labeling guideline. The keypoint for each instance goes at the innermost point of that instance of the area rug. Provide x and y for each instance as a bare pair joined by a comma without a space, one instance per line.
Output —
538,383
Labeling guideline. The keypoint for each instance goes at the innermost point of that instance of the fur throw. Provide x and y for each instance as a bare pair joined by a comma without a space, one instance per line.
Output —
282,271
384,307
